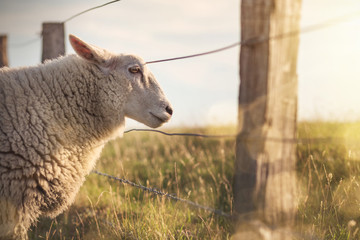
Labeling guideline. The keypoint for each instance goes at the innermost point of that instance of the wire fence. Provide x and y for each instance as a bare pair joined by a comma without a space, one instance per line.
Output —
258,40
304,30
218,212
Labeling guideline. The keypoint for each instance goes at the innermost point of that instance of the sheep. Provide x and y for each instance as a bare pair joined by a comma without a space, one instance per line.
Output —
55,119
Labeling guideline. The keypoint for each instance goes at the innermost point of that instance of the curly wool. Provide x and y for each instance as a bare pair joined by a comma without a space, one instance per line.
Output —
54,120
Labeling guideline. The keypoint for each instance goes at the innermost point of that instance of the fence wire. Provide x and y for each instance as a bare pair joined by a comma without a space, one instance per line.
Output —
26,43
299,140
207,208
154,191
308,29
163,194
88,10
257,40
182,134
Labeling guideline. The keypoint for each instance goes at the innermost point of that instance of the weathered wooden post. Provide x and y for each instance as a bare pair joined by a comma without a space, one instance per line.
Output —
3,51
264,180
53,40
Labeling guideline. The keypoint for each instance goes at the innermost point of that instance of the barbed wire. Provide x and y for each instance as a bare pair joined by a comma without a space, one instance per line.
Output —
154,191
194,204
163,194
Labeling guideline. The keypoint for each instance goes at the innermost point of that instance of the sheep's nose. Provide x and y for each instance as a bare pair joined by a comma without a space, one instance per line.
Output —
169,110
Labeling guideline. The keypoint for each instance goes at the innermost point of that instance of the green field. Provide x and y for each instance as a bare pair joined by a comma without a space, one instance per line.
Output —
201,170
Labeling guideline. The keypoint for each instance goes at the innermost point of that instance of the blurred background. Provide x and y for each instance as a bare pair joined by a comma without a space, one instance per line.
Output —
203,90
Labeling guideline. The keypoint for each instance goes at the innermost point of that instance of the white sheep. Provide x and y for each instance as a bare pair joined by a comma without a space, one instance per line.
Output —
54,121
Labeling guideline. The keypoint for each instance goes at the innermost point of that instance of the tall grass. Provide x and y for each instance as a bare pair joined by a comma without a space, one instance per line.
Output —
329,173
192,168
201,170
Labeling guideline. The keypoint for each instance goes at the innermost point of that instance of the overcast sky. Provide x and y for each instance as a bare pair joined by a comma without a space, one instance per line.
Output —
202,90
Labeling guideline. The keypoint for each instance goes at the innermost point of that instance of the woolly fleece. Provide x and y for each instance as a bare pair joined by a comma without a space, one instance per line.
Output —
54,121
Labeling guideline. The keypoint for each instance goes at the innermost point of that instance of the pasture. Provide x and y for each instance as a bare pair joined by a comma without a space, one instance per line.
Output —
201,170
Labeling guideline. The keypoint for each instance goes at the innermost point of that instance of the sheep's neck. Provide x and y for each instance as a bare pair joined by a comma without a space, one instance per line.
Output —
83,123
71,95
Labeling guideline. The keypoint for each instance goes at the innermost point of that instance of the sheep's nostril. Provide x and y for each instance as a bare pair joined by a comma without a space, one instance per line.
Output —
169,110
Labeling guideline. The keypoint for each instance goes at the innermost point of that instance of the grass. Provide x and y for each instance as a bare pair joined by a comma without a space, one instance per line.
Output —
201,170
329,173
192,168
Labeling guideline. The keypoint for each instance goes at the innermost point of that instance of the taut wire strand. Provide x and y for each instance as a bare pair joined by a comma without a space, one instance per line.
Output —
157,192
66,20
88,10
181,134
258,40
196,55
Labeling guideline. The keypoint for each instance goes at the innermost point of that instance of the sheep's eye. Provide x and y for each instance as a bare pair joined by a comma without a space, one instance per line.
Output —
134,69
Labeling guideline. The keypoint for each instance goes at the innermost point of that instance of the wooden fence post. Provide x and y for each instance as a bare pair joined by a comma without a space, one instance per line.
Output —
53,40
265,180
3,51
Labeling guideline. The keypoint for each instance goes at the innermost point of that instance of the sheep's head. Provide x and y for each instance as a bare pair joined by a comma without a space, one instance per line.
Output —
145,102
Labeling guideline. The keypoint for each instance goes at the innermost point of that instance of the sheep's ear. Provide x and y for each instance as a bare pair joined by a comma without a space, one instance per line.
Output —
88,52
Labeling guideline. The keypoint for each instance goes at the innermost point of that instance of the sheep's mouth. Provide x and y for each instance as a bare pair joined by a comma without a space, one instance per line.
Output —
162,120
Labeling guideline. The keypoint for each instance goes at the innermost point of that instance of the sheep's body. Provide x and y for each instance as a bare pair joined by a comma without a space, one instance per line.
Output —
54,120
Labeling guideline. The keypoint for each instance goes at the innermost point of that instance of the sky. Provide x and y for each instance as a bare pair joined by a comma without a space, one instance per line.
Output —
202,90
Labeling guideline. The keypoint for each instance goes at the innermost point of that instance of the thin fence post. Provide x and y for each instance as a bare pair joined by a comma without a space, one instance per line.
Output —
53,40
3,51
264,179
